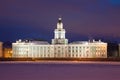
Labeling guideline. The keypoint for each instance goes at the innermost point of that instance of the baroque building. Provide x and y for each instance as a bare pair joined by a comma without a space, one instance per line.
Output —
59,47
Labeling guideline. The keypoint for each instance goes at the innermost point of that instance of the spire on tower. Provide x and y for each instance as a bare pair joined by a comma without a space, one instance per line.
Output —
60,20
59,24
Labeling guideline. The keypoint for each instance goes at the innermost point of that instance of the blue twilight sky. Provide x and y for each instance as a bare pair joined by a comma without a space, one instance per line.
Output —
83,19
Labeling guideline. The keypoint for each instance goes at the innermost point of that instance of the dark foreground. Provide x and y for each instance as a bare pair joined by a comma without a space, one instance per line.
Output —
60,59
52,70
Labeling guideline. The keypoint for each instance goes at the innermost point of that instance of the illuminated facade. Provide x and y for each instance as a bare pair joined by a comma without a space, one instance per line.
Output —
7,52
1,49
119,50
59,47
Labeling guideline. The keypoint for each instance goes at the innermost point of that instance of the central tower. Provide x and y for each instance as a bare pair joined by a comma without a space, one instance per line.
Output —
59,34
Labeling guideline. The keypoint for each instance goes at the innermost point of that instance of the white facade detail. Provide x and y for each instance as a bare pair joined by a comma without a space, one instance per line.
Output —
59,47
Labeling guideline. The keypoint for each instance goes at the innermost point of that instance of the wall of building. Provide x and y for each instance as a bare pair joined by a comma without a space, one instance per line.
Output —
119,50
90,50
1,49
32,51
60,51
113,49
7,52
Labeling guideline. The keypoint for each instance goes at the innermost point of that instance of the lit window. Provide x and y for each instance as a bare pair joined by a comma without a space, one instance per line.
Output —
76,55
